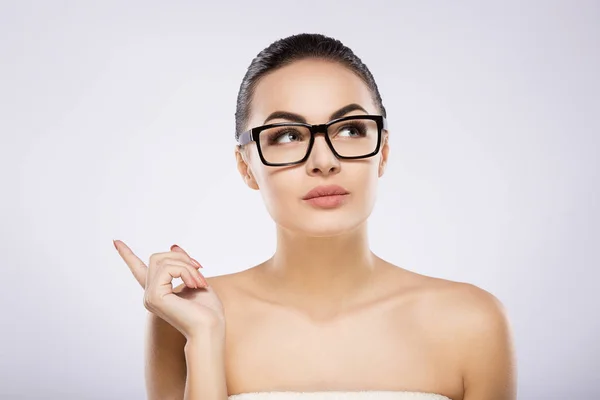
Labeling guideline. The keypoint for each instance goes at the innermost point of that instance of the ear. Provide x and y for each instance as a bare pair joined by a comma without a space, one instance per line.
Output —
244,168
385,150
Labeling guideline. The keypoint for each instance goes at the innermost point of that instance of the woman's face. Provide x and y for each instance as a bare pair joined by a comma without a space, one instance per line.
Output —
313,89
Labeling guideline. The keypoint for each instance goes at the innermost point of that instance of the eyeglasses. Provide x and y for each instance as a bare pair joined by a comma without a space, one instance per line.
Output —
290,143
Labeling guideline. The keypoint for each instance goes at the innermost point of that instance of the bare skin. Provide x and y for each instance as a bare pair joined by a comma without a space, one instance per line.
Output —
402,331
325,313
382,338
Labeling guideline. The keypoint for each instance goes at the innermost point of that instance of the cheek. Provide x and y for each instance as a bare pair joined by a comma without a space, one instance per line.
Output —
364,180
281,192
280,186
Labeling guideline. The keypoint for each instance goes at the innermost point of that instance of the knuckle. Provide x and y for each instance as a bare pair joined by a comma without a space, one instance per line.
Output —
154,258
149,301
160,261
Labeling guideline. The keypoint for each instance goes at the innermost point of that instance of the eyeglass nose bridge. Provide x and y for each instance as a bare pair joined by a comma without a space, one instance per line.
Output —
321,128
314,130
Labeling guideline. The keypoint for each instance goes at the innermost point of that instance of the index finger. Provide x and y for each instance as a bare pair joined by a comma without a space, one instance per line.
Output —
135,264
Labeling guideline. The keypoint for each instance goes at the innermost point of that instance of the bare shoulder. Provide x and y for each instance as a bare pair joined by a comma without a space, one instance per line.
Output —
475,326
458,304
458,313
465,304
478,323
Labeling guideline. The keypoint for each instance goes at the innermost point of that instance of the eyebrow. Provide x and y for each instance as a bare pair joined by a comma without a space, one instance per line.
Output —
290,116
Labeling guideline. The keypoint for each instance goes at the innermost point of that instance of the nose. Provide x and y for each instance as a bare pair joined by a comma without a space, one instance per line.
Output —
322,161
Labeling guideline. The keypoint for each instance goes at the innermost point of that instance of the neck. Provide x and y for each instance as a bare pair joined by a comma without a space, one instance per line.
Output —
321,269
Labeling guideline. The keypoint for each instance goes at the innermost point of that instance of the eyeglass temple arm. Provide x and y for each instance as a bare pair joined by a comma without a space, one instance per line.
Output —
245,137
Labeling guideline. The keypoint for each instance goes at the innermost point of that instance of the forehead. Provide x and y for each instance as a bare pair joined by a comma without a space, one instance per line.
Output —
312,88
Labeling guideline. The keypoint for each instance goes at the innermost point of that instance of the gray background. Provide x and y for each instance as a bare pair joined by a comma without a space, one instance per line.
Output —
116,121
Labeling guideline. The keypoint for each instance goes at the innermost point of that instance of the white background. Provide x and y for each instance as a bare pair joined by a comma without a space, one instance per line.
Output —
117,121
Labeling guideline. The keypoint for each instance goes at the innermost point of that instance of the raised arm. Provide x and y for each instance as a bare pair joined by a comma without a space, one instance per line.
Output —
165,365
185,344
180,369
205,361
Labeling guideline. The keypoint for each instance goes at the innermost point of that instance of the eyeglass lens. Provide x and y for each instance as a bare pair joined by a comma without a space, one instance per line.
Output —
287,144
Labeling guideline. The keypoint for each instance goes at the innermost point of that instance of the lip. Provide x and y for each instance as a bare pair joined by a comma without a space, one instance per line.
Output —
331,196
324,191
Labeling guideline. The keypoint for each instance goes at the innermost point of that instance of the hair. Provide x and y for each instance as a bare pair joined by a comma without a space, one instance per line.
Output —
295,48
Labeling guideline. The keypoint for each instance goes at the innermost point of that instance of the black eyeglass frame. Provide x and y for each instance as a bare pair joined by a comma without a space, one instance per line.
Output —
253,134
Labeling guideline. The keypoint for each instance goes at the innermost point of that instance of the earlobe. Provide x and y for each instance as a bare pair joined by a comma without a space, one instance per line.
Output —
244,169
381,168
384,155
250,181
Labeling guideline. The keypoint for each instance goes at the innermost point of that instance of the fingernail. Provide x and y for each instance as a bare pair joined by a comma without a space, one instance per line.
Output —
172,247
196,263
115,244
201,280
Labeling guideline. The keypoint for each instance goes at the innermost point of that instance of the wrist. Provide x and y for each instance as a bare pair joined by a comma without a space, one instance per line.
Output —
205,338
203,334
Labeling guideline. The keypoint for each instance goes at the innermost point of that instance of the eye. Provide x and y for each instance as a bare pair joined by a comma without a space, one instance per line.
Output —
289,136
286,135
352,130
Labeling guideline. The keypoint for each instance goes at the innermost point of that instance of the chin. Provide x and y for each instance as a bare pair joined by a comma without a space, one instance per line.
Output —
325,224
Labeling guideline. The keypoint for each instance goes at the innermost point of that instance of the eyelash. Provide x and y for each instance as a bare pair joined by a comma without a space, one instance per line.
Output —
359,126
275,136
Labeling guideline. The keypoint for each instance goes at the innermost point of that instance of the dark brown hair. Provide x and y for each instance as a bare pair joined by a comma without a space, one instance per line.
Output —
294,48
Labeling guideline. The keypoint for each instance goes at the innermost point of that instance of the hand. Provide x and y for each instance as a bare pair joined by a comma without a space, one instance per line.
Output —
193,310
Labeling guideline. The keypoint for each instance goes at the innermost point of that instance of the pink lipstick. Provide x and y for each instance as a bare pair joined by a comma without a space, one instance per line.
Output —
330,196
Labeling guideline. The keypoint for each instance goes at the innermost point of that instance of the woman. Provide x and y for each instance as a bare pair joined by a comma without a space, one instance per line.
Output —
324,317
